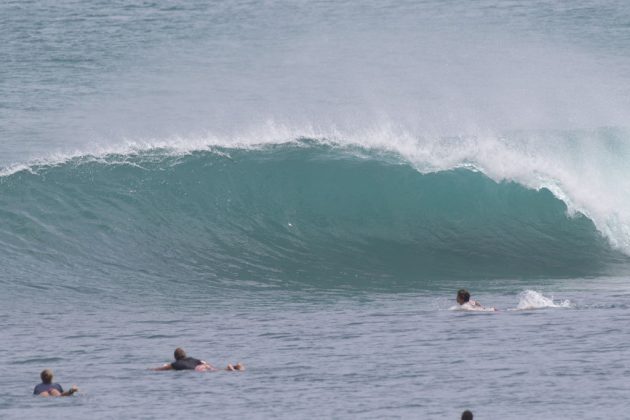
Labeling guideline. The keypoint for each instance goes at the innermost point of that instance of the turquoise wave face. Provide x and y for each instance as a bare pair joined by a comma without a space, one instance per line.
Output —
293,213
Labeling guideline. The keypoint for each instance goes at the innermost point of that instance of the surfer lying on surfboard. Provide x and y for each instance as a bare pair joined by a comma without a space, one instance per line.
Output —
466,303
182,362
49,389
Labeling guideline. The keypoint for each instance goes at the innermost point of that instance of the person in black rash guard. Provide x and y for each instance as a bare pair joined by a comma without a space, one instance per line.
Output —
49,389
183,362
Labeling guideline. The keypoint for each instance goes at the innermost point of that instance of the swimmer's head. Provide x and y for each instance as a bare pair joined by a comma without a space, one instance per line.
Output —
467,415
462,296
180,353
46,376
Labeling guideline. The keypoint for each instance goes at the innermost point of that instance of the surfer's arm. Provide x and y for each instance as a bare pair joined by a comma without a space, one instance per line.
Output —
208,365
69,392
166,366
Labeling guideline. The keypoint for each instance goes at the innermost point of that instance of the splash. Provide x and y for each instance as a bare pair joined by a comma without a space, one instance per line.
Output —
530,299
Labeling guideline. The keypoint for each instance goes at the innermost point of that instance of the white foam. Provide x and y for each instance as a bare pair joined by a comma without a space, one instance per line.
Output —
586,170
470,308
530,299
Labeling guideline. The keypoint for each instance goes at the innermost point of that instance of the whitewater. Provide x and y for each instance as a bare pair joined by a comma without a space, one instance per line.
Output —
303,187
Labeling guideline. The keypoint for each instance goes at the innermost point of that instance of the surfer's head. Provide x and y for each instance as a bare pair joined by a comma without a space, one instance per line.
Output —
462,296
180,353
46,376
467,415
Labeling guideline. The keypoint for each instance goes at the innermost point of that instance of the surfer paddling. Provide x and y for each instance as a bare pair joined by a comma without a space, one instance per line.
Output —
466,303
183,362
49,389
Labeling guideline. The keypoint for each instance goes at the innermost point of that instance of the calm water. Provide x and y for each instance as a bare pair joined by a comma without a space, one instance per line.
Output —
303,186
317,354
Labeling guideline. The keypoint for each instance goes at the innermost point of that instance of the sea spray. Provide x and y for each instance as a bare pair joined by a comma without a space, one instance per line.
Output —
531,299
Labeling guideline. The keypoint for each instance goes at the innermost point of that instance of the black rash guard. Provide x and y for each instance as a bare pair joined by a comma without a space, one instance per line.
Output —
188,363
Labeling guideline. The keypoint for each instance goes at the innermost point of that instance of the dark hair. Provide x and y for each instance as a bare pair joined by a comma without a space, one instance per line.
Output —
463,294
46,376
179,353
467,415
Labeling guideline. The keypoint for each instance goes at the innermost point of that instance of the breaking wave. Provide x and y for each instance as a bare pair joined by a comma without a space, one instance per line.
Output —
305,210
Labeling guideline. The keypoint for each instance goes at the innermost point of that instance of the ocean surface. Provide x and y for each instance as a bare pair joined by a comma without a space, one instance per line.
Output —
303,186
